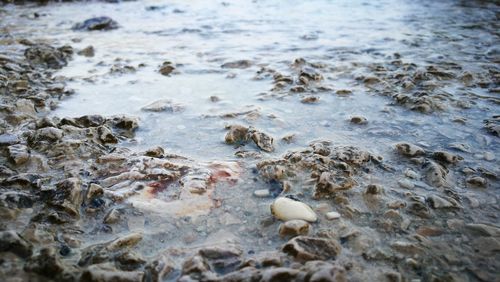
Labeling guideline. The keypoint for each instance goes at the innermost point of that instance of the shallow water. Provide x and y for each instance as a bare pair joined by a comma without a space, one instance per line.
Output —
198,37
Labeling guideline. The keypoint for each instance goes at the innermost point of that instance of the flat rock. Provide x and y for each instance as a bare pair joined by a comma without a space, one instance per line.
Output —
97,23
304,248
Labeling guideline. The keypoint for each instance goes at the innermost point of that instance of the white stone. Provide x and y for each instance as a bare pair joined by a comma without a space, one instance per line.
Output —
332,215
287,209
261,193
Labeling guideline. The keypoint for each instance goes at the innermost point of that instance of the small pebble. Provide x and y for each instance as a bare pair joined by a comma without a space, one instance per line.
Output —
332,215
406,184
261,193
489,156
411,174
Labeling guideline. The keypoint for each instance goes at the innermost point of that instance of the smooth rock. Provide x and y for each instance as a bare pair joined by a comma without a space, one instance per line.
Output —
405,183
332,215
261,193
286,209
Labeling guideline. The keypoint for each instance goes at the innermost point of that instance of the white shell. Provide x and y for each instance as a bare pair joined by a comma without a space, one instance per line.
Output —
287,209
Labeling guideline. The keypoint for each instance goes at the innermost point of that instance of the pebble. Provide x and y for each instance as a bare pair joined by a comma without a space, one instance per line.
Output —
332,215
405,183
285,209
293,228
489,156
411,174
262,193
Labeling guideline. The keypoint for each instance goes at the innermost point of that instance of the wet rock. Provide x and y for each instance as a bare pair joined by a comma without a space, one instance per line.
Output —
126,123
476,181
286,209
352,155
158,269
240,64
88,121
374,189
446,157
262,140
359,120
94,190
437,202
480,229
46,263
222,259
343,92
279,274
293,228
99,253
409,150
461,147
127,241
166,68
195,267
97,23
323,271
304,248
112,217
18,154
332,215
47,56
435,174
430,231
237,134
411,174
106,135
331,183
163,106
106,272
10,241
289,138
310,100
404,183
67,196
8,139
492,125
50,134
87,51
156,152
16,200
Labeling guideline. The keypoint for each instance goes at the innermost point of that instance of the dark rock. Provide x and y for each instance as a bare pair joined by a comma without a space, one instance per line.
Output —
106,272
18,154
158,269
241,64
166,68
87,51
46,263
98,23
10,241
47,56
262,140
67,196
237,134
90,120
304,248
